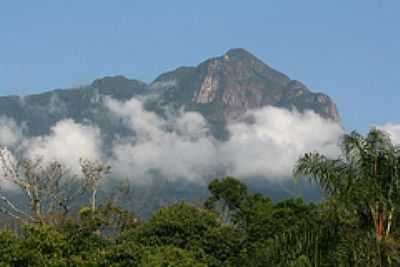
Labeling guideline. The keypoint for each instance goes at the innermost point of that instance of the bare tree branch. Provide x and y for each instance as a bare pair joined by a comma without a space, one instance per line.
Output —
93,173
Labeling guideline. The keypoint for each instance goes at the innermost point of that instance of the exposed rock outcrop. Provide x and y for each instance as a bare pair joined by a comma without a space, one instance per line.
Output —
225,87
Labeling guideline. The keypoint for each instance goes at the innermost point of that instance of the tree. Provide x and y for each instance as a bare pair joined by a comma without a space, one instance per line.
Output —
39,245
227,195
364,183
124,254
49,187
93,172
180,225
10,248
170,256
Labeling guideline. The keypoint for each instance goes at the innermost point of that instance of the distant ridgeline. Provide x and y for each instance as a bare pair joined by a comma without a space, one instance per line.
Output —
221,89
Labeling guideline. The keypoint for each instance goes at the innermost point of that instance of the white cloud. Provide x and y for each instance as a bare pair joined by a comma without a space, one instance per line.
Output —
267,147
67,142
10,132
394,131
8,161
272,143
267,143
177,148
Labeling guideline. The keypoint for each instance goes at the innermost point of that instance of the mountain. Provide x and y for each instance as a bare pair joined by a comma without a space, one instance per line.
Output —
40,112
221,88
225,87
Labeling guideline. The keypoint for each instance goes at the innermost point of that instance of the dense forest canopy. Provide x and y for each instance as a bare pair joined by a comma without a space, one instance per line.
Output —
357,224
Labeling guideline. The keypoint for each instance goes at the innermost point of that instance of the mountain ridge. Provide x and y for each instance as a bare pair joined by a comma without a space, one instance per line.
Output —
221,88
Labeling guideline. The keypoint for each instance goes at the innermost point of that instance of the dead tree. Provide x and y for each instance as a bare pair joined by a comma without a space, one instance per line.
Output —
93,173
49,187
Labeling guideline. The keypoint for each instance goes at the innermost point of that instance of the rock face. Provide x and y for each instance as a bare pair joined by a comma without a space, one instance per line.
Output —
225,87
221,88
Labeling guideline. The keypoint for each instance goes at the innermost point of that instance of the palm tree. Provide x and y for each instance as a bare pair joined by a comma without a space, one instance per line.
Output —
365,180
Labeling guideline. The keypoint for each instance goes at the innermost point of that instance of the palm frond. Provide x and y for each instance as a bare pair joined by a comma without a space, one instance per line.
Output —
333,175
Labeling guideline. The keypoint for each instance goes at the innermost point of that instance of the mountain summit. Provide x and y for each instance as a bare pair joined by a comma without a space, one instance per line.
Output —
221,88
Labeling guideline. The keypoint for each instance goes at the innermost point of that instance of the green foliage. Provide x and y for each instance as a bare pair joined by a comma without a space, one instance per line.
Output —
222,243
10,249
125,254
170,257
357,225
45,245
227,195
180,225
364,192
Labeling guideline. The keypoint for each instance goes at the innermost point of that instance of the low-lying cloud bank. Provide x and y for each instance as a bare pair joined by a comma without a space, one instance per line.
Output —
10,133
177,147
271,145
67,142
393,130
266,143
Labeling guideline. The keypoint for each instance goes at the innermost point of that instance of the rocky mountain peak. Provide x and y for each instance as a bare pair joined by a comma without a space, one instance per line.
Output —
238,54
227,86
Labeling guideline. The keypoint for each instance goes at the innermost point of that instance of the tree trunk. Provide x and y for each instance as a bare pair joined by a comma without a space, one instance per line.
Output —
390,219
380,230
36,210
94,200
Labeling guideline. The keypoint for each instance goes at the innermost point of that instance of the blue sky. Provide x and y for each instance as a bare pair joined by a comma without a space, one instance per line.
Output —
347,49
